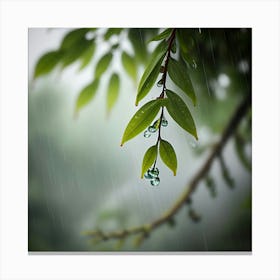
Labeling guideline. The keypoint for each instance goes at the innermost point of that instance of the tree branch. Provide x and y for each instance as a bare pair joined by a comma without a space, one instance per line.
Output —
146,229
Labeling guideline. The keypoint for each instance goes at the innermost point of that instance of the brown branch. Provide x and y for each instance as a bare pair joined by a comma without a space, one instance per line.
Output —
145,230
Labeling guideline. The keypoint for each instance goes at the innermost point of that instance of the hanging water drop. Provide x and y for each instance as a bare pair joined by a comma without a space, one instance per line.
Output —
155,181
164,123
152,129
147,134
148,176
160,83
199,30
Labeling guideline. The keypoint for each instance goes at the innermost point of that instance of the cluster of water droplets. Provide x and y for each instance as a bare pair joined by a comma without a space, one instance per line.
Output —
154,127
152,175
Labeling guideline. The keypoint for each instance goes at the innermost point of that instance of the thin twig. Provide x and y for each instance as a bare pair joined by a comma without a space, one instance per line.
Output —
146,229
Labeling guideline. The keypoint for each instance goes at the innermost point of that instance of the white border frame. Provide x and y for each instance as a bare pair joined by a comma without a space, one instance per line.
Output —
17,16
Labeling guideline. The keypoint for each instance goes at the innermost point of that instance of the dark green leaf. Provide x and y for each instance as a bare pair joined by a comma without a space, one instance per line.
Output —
75,52
179,75
129,66
163,35
73,37
137,39
151,72
179,111
86,94
113,91
141,119
47,63
112,31
103,64
240,150
87,56
149,158
168,155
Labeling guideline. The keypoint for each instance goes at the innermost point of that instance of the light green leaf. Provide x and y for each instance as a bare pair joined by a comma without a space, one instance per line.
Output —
73,37
179,111
103,64
75,52
86,94
129,65
141,119
179,75
163,35
113,91
112,31
149,158
168,155
151,72
47,63
87,56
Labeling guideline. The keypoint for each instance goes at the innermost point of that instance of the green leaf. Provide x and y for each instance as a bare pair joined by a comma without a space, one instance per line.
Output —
179,75
113,91
47,63
137,39
129,66
186,43
168,155
149,158
163,35
141,119
152,71
179,111
112,31
75,52
73,37
86,94
87,56
103,64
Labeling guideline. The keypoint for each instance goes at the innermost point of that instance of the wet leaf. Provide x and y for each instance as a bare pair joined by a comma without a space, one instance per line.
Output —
163,35
87,56
113,91
73,37
179,75
151,72
86,94
129,65
47,63
186,43
141,119
149,158
102,65
179,111
168,155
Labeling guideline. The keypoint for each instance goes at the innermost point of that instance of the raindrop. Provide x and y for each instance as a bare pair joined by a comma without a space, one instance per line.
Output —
193,144
164,123
155,181
154,172
152,129
199,30
160,83
148,176
147,134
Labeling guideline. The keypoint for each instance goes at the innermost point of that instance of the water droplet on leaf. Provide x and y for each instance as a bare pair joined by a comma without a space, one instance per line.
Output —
194,65
152,129
154,172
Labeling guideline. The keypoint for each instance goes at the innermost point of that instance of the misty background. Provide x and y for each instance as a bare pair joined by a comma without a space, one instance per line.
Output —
80,179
